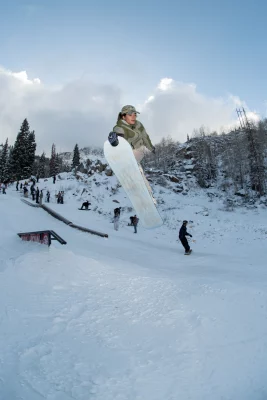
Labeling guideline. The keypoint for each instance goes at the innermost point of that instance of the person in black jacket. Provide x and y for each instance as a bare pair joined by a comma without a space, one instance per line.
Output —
117,212
85,205
182,236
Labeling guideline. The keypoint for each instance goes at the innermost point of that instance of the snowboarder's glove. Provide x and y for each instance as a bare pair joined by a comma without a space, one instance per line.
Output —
113,139
191,236
154,150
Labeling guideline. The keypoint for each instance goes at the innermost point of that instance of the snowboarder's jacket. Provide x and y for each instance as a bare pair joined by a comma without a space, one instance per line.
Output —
135,220
117,212
135,134
183,232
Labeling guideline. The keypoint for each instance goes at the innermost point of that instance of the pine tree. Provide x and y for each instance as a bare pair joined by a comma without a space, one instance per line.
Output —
4,163
58,164
31,153
10,163
41,167
24,152
76,157
52,163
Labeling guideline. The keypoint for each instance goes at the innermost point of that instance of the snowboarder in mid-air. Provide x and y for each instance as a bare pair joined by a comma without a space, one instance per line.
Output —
134,132
124,150
182,236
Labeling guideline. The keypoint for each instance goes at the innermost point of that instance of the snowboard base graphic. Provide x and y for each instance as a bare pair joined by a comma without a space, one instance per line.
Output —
123,163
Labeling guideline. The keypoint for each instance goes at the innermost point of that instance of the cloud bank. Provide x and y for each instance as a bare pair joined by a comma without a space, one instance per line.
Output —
177,108
78,112
84,112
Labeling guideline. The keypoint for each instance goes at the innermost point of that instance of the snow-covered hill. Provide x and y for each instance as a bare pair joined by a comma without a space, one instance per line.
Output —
130,317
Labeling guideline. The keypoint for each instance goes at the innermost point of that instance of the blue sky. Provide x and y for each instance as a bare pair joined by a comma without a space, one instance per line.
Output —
218,46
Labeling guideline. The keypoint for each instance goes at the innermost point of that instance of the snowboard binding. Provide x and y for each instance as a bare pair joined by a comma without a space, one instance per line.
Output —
113,139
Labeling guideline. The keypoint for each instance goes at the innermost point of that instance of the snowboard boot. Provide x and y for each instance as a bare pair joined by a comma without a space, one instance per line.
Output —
188,252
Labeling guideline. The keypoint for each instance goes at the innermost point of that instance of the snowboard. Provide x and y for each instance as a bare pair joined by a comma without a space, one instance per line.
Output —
84,209
121,159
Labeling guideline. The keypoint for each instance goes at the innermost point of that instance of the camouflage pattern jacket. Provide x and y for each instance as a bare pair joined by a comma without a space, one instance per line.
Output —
134,134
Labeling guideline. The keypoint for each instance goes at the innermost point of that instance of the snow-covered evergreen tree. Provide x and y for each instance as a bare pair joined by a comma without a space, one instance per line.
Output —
4,172
42,166
22,159
10,162
58,164
76,157
31,146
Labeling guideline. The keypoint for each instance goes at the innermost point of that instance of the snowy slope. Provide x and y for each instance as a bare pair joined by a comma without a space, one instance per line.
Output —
130,317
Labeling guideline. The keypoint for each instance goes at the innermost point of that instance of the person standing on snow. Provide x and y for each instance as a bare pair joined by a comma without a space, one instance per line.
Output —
116,222
47,196
33,193
134,132
117,213
37,195
41,197
135,222
182,236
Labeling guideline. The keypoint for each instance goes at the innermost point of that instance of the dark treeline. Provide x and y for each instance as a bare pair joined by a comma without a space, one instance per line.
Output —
19,161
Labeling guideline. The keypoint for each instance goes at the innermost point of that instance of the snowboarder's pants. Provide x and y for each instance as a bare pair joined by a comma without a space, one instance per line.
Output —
185,244
116,223
135,228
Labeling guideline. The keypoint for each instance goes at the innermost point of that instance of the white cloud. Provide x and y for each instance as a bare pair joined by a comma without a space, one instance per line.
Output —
165,84
177,108
79,112
84,112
